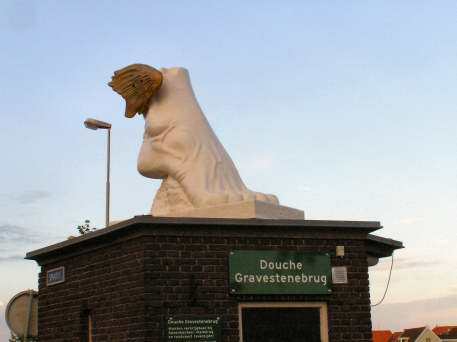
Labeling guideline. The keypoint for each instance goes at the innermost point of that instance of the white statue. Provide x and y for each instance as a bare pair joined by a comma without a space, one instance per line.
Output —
179,145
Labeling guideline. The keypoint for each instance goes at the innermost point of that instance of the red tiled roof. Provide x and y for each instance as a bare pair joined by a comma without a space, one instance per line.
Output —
395,336
381,335
451,334
439,330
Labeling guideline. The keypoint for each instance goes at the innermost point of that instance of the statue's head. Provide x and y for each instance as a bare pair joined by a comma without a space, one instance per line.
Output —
137,84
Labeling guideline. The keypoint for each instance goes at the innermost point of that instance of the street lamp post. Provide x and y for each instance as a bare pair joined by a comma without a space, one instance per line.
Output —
97,124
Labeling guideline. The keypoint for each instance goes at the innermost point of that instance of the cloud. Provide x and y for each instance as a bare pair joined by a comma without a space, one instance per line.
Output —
4,331
12,258
16,240
410,220
22,16
25,197
13,233
453,289
261,162
406,263
430,312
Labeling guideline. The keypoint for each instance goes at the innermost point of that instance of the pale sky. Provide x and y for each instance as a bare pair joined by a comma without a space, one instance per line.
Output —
346,110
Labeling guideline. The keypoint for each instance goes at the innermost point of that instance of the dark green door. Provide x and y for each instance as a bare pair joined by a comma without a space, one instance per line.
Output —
263,324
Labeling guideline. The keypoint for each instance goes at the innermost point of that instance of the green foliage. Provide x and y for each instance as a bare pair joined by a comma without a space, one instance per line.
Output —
14,338
85,228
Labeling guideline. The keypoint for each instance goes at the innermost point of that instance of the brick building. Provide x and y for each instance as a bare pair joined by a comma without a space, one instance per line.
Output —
129,281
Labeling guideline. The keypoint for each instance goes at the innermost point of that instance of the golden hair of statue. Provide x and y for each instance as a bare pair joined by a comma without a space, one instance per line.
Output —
137,84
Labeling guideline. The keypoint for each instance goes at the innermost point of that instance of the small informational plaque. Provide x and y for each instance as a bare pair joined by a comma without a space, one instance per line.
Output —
55,276
193,329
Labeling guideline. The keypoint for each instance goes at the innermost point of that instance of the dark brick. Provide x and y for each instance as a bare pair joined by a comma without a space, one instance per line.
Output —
131,282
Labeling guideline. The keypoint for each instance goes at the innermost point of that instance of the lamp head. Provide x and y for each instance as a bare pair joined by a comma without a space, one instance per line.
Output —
96,124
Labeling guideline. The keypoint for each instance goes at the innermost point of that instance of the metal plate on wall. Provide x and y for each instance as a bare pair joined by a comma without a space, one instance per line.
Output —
279,272
193,329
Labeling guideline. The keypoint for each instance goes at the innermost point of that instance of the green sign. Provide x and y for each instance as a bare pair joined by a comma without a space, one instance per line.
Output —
278,272
193,329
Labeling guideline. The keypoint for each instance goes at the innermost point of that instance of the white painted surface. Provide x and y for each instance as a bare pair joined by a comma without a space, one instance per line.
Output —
427,336
245,209
180,147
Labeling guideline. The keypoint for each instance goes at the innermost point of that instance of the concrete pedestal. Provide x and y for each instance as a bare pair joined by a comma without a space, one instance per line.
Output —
246,210
128,279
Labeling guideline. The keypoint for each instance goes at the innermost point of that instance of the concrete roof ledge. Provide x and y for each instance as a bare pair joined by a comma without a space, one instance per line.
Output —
230,227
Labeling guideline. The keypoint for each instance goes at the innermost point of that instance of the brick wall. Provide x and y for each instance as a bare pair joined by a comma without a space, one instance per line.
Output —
189,275
129,283
107,283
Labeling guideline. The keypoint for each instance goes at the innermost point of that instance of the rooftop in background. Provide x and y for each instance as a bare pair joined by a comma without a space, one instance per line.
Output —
381,335
412,334
443,329
395,336
449,335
